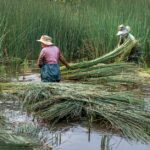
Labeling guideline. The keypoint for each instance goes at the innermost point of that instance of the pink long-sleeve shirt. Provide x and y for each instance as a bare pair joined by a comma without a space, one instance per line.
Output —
49,55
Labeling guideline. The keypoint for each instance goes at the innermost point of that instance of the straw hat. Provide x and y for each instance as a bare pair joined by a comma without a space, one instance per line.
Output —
45,39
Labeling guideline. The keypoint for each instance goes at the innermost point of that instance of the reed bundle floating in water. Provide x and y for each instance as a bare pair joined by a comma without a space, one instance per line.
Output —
56,101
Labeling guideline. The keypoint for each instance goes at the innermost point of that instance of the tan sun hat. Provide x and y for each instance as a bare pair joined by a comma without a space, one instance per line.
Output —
45,39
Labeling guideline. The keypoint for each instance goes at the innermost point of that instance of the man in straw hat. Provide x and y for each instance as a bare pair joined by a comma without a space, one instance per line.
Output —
48,60
124,33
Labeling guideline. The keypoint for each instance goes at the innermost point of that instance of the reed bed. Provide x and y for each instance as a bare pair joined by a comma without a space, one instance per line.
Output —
82,29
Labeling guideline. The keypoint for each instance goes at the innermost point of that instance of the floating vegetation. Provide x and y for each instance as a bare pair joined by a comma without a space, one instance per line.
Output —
56,101
8,136
123,110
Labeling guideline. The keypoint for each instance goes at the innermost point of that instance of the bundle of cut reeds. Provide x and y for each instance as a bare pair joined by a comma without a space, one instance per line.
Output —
84,71
99,71
56,101
109,57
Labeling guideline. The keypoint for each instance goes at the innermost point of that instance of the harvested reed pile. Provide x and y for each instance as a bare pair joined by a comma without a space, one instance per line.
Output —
56,101
2,121
100,71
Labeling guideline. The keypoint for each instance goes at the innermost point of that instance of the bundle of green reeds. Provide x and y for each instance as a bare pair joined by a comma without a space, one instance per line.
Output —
56,101
84,71
109,57
99,71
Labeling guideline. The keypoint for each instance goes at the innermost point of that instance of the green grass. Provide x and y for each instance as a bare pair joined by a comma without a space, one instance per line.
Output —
83,30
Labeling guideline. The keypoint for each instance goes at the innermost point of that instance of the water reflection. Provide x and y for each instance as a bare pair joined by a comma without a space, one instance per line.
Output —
105,142
63,136
76,138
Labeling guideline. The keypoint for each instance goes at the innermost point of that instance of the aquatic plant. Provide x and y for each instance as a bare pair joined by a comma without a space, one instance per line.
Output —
82,30
108,57
68,101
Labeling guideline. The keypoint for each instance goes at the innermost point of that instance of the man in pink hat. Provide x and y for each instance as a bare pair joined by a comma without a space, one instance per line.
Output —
48,60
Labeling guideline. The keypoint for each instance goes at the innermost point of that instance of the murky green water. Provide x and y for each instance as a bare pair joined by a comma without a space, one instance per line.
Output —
66,137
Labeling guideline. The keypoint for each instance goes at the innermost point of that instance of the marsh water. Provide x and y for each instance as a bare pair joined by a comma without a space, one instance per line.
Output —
70,136
75,136
65,137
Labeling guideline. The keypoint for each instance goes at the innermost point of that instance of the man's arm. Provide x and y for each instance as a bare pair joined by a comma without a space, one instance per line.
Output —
63,60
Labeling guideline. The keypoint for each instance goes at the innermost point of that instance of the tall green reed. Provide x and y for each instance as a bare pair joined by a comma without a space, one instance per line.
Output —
83,29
